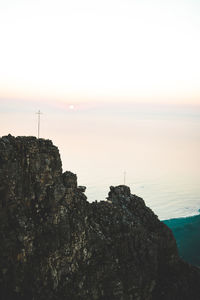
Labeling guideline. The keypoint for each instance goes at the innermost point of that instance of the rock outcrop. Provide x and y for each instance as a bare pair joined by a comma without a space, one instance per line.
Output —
57,246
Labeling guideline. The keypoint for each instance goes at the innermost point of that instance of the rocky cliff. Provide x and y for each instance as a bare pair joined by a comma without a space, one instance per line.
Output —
57,246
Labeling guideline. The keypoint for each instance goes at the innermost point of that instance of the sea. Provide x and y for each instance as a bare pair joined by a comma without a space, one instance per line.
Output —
154,149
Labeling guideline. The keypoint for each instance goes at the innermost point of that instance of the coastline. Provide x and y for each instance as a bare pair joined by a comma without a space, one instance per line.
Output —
186,233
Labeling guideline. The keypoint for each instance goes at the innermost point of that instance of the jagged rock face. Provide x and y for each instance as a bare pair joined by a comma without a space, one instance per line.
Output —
56,245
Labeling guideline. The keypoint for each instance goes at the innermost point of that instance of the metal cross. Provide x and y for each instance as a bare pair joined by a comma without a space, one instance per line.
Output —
39,114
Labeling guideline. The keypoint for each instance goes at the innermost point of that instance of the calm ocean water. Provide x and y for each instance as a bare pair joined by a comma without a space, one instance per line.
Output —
157,147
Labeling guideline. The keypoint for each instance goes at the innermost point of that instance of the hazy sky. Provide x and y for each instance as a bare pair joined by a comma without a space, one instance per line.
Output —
118,82
80,51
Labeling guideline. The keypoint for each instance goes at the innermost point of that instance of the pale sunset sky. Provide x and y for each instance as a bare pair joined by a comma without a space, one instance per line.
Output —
109,50
89,57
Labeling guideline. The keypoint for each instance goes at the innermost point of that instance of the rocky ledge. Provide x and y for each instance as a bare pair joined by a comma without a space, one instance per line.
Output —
56,245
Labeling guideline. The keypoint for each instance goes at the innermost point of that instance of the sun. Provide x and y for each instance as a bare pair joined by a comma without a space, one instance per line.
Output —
71,107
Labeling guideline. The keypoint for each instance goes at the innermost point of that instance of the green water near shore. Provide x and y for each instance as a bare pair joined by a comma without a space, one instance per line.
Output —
187,235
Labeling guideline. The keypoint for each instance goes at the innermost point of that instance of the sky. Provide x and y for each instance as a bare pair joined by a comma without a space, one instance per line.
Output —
100,51
118,85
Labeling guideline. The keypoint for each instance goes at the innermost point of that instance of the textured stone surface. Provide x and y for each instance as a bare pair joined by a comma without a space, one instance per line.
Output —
56,245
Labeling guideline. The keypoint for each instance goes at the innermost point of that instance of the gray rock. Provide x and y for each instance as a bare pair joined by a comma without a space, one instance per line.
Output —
56,245
82,188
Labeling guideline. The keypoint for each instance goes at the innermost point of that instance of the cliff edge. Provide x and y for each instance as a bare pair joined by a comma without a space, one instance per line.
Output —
56,245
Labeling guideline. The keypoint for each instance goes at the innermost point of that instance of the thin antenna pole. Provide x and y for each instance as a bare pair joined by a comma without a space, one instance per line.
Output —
39,114
124,177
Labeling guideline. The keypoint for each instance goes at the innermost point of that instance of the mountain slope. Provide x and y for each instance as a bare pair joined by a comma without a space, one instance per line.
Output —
56,245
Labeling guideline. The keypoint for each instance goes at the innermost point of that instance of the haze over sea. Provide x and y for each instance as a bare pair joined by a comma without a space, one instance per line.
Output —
156,145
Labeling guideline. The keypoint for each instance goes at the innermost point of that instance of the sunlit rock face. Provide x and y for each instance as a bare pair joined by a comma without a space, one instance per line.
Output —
56,245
